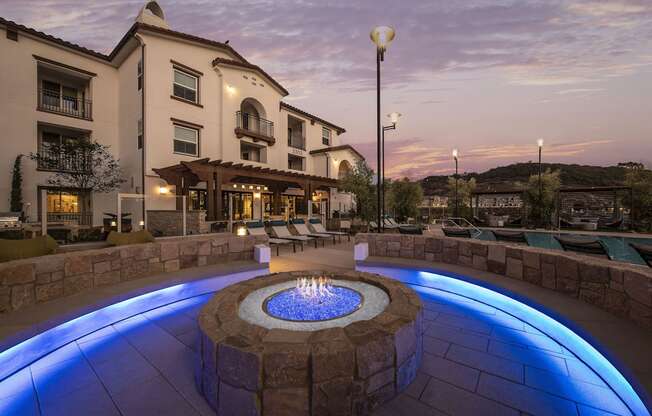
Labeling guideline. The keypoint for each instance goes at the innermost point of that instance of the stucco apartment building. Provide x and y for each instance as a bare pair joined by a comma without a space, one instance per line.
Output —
184,115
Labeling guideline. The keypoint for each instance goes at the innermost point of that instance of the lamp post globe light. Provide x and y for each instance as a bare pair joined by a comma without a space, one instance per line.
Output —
393,118
457,208
540,145
381,36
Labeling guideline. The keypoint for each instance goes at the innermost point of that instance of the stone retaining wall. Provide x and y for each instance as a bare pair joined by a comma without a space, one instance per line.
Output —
622,289
170,223
39,279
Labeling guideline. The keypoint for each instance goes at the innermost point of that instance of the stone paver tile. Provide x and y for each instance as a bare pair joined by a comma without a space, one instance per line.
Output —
524,398
429,315
586,393
456,336
435,346
449,371
88,400
486,362
405,405
178,368
532,357
17,395
435,307
154,397
503,319
100,333
455,401
190,339
525,338
460,304
171,320
418,385
67,352
590,411
62,378
105,349
580,371
197,401
470,324
124,372
16,383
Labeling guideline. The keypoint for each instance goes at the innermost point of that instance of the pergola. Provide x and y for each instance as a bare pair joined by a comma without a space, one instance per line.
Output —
608,195
217,173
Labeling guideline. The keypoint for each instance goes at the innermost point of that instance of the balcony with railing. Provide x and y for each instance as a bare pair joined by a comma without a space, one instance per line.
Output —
58,160
78,218
255,127
56,102
297,141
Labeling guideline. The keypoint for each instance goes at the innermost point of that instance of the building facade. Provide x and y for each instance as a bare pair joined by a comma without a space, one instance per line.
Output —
186,116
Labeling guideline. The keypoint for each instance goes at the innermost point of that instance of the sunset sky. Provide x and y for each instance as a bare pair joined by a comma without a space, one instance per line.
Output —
489,77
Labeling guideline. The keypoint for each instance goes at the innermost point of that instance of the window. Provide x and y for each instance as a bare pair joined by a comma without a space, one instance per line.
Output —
54,153
60,96
185,85
140,75
295,162
186,140
252,152
140,133
62,201
325,136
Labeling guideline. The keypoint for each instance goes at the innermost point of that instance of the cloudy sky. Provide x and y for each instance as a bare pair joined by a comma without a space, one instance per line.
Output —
489,77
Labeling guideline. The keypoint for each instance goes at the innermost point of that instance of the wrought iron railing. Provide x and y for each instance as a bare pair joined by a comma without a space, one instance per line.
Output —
58,160
79,218
54,101
254,124
297,141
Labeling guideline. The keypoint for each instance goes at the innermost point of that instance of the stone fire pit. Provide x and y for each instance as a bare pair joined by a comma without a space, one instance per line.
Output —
252,363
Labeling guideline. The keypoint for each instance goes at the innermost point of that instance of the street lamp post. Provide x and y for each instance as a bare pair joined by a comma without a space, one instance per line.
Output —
540,144
382,36
457,208
393,118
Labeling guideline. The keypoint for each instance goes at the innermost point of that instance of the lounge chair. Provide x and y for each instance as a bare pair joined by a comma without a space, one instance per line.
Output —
280,230
301,228
479,221
584,245
614,225
258,228
645,251
510,236
410,229
389,223
456,232
373,225
318,227
516,222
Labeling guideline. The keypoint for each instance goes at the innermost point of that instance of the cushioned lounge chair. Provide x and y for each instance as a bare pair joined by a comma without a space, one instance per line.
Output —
258,228
302,229
410,229
318,227
510,236
584,245
645,251
389,223
456,232
280,230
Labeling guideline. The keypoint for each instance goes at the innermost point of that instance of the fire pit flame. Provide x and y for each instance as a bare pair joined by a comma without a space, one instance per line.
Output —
314,287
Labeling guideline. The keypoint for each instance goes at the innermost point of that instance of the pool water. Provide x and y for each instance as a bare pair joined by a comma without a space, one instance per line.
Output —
618,247
292,305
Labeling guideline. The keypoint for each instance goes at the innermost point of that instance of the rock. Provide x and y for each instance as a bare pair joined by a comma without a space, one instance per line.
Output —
406,373
332,397
592,272
18,275
286,401
479,262
374,355
638,286
380,379
566,268
548,275
22,296
330,360
532,275
74,284
237,401
49,291
239,365
79,264
514,268
286,365
169,251
531,260
496,253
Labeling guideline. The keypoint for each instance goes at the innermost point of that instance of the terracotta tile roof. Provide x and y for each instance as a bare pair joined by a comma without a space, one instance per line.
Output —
245,64
336,148
294,109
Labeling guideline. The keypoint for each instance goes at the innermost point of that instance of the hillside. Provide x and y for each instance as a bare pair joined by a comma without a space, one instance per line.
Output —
508,177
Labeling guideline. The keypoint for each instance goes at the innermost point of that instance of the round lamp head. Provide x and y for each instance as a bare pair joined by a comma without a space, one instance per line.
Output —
393,117
455,153
163,190
382,36
241,231
540,142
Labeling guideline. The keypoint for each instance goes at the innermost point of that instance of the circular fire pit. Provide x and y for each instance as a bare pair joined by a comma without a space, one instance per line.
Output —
306,343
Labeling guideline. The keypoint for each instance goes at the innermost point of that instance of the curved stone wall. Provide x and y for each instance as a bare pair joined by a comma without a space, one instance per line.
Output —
247,369
622,289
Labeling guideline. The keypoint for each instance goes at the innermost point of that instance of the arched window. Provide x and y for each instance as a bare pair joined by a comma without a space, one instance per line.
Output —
344,169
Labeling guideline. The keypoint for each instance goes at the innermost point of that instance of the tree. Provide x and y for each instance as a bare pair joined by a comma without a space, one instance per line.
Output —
81,164
359,182
542,206
403,198
465,189
640,202
16,201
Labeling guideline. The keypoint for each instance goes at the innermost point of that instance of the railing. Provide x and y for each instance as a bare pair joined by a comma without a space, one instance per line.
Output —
254,124
57,160
79,218
461,223
297,141
55,102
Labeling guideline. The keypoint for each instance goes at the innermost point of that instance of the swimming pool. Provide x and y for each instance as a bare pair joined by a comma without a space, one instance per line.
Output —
618,247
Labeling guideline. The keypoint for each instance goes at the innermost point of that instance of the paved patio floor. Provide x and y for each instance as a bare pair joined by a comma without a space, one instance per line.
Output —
477,361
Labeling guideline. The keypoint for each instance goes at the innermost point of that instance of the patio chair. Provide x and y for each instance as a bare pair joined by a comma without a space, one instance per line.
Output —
510,236
280,230
318,227
644,250
479,221
456,232
410,229
345,226
373,225
389,223
302,229
258,228
584,245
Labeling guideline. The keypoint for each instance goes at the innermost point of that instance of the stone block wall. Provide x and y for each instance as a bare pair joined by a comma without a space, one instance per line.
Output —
170,223
620,288
30,281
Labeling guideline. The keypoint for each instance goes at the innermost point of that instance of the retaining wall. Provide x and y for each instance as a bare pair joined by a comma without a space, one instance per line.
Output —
622,289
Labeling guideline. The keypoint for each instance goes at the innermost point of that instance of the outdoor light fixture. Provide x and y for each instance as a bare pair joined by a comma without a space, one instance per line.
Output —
381,36
114,224
241,231
540,144
457,207
251,187
230,89
163,190
141,223
265,188
256,195
393,118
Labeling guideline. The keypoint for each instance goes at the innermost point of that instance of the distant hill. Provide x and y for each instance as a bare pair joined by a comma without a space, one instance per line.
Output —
508,177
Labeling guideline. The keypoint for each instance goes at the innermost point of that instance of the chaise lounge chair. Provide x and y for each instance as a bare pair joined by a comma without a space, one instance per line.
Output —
280,230
584,245
258,228
318,227
645,251
456,232
410,229
510,236
302,229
